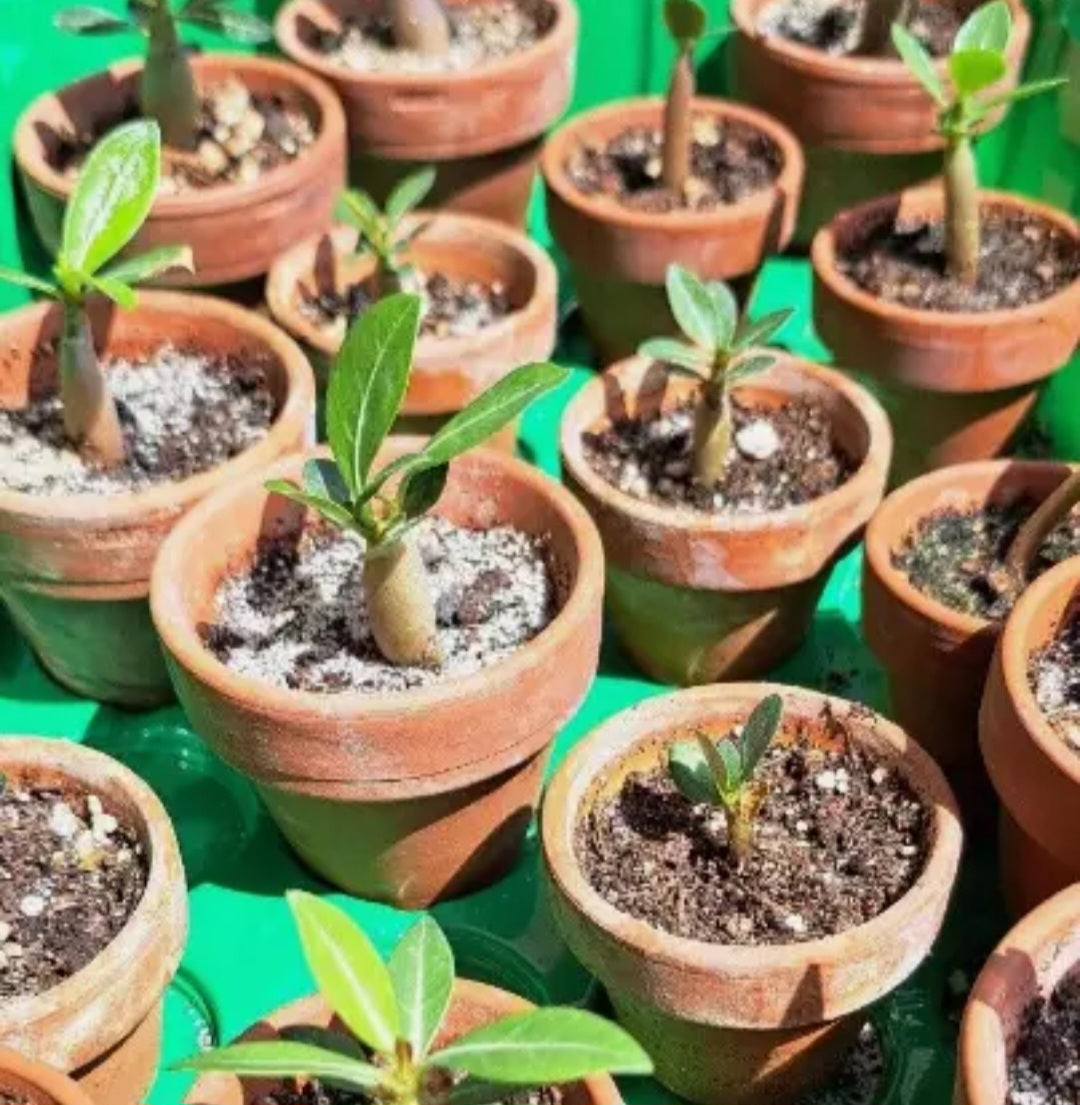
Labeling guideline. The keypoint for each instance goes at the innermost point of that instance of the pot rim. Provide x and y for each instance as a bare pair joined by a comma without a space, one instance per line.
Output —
56,1084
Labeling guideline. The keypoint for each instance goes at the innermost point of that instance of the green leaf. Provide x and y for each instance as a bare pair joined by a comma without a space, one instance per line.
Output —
329,1039
123,295
323,478
914,56
747,367
422,970
760,331
85,20
672,352
241,27
422,489
114,192
758,731
145,266
725,313
987,28
685,20
25,280
360,210
333,512
693,306
724,763
409,194
690,772
368,382
973,70
544,1047
282,1059
1023,92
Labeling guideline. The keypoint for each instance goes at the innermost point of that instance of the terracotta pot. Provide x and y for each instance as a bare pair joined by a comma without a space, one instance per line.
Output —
619,257
481,127
39,1084
1028,964
957,384
742,1025
866,125
1036,775
407,797
103,1024
234,230
75,569
448,373
701,598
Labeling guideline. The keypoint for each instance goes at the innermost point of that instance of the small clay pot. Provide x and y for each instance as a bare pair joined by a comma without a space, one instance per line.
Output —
741,1025
956,384
234,230
1035,773
620,256
409,797
448,373
482,128
75,569
700,598
866,124
38,1084
103,1024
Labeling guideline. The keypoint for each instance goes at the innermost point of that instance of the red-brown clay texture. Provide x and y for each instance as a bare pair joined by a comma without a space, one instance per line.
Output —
75,570
409,797
103,1025
699,598
742,1025
37,1083
234,230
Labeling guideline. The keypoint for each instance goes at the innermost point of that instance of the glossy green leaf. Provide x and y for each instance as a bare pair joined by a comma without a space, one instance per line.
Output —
360,210
123,295
409,194
690,772
758,732
87,20
759,331
914,55
973,70
1023,92
685,20
285,1059
693,306
422,970
724,762
987,28
329,1039
145,266
745,368
725,313
672,352
422,489
323,478
25,280
333,512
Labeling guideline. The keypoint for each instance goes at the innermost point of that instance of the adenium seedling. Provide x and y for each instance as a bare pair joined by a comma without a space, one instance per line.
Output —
718,352
167,91
722,773
977,62
686,23
112,197
367,387
395,1011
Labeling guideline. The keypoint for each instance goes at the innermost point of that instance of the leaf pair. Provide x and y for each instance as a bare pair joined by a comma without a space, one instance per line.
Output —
686,21
379,230
213,14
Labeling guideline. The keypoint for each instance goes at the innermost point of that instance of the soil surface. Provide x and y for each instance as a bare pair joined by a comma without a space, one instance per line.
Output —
72,875
958,557
242,136
1044,1068
297,617
481,33
780,457
314,1093
1023,259
1054,677
729,161
182,413
839,838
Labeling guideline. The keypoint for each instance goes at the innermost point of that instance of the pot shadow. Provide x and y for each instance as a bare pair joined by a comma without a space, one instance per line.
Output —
32,256
22,676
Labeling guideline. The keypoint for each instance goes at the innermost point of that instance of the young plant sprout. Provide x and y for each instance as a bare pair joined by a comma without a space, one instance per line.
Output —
111,200
685,20
721,774
419,25
718,354
395,1011
977,62
167,91
367,386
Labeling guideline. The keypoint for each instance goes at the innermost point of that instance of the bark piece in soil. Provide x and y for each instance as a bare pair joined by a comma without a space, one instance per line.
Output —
71,874
653,459
729,161
1022,259
1043,1069
840,838
182,413
1054,678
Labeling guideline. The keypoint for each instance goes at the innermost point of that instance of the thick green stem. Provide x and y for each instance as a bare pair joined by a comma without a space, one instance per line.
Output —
1037,528
875,34
90,417
419,25
740,832
399,604
678,123
712,433
167,90
961,210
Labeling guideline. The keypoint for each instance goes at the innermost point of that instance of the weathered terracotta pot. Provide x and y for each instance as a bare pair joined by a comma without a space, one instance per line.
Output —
1036,775
619,257
701,598
866,124
234,230
956,384
75,569
103,1024
741,1025
409,797
37,1083
448,373
482,128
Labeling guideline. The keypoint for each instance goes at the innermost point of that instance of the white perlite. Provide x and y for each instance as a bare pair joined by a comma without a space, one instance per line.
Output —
757,440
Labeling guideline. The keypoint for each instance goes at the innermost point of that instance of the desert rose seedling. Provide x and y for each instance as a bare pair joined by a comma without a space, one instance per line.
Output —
394,1012
718,352
112,197
686,22
167,91
722,773
367,386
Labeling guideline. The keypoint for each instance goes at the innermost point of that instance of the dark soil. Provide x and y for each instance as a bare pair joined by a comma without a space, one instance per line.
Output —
840,837
729,161
314,1093
1044,1068
858,1080
1054,677
958,557
13,1099
70,877
780,457
182,413
1023,259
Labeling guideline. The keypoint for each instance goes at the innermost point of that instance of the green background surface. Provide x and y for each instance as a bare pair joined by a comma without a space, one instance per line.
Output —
242,958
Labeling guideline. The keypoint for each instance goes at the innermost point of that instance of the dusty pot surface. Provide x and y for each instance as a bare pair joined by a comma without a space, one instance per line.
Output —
234,230
103,1024
39,1084
742,1025
406,797
697,597
619,256
1035,773
957,383
75,569
481,127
